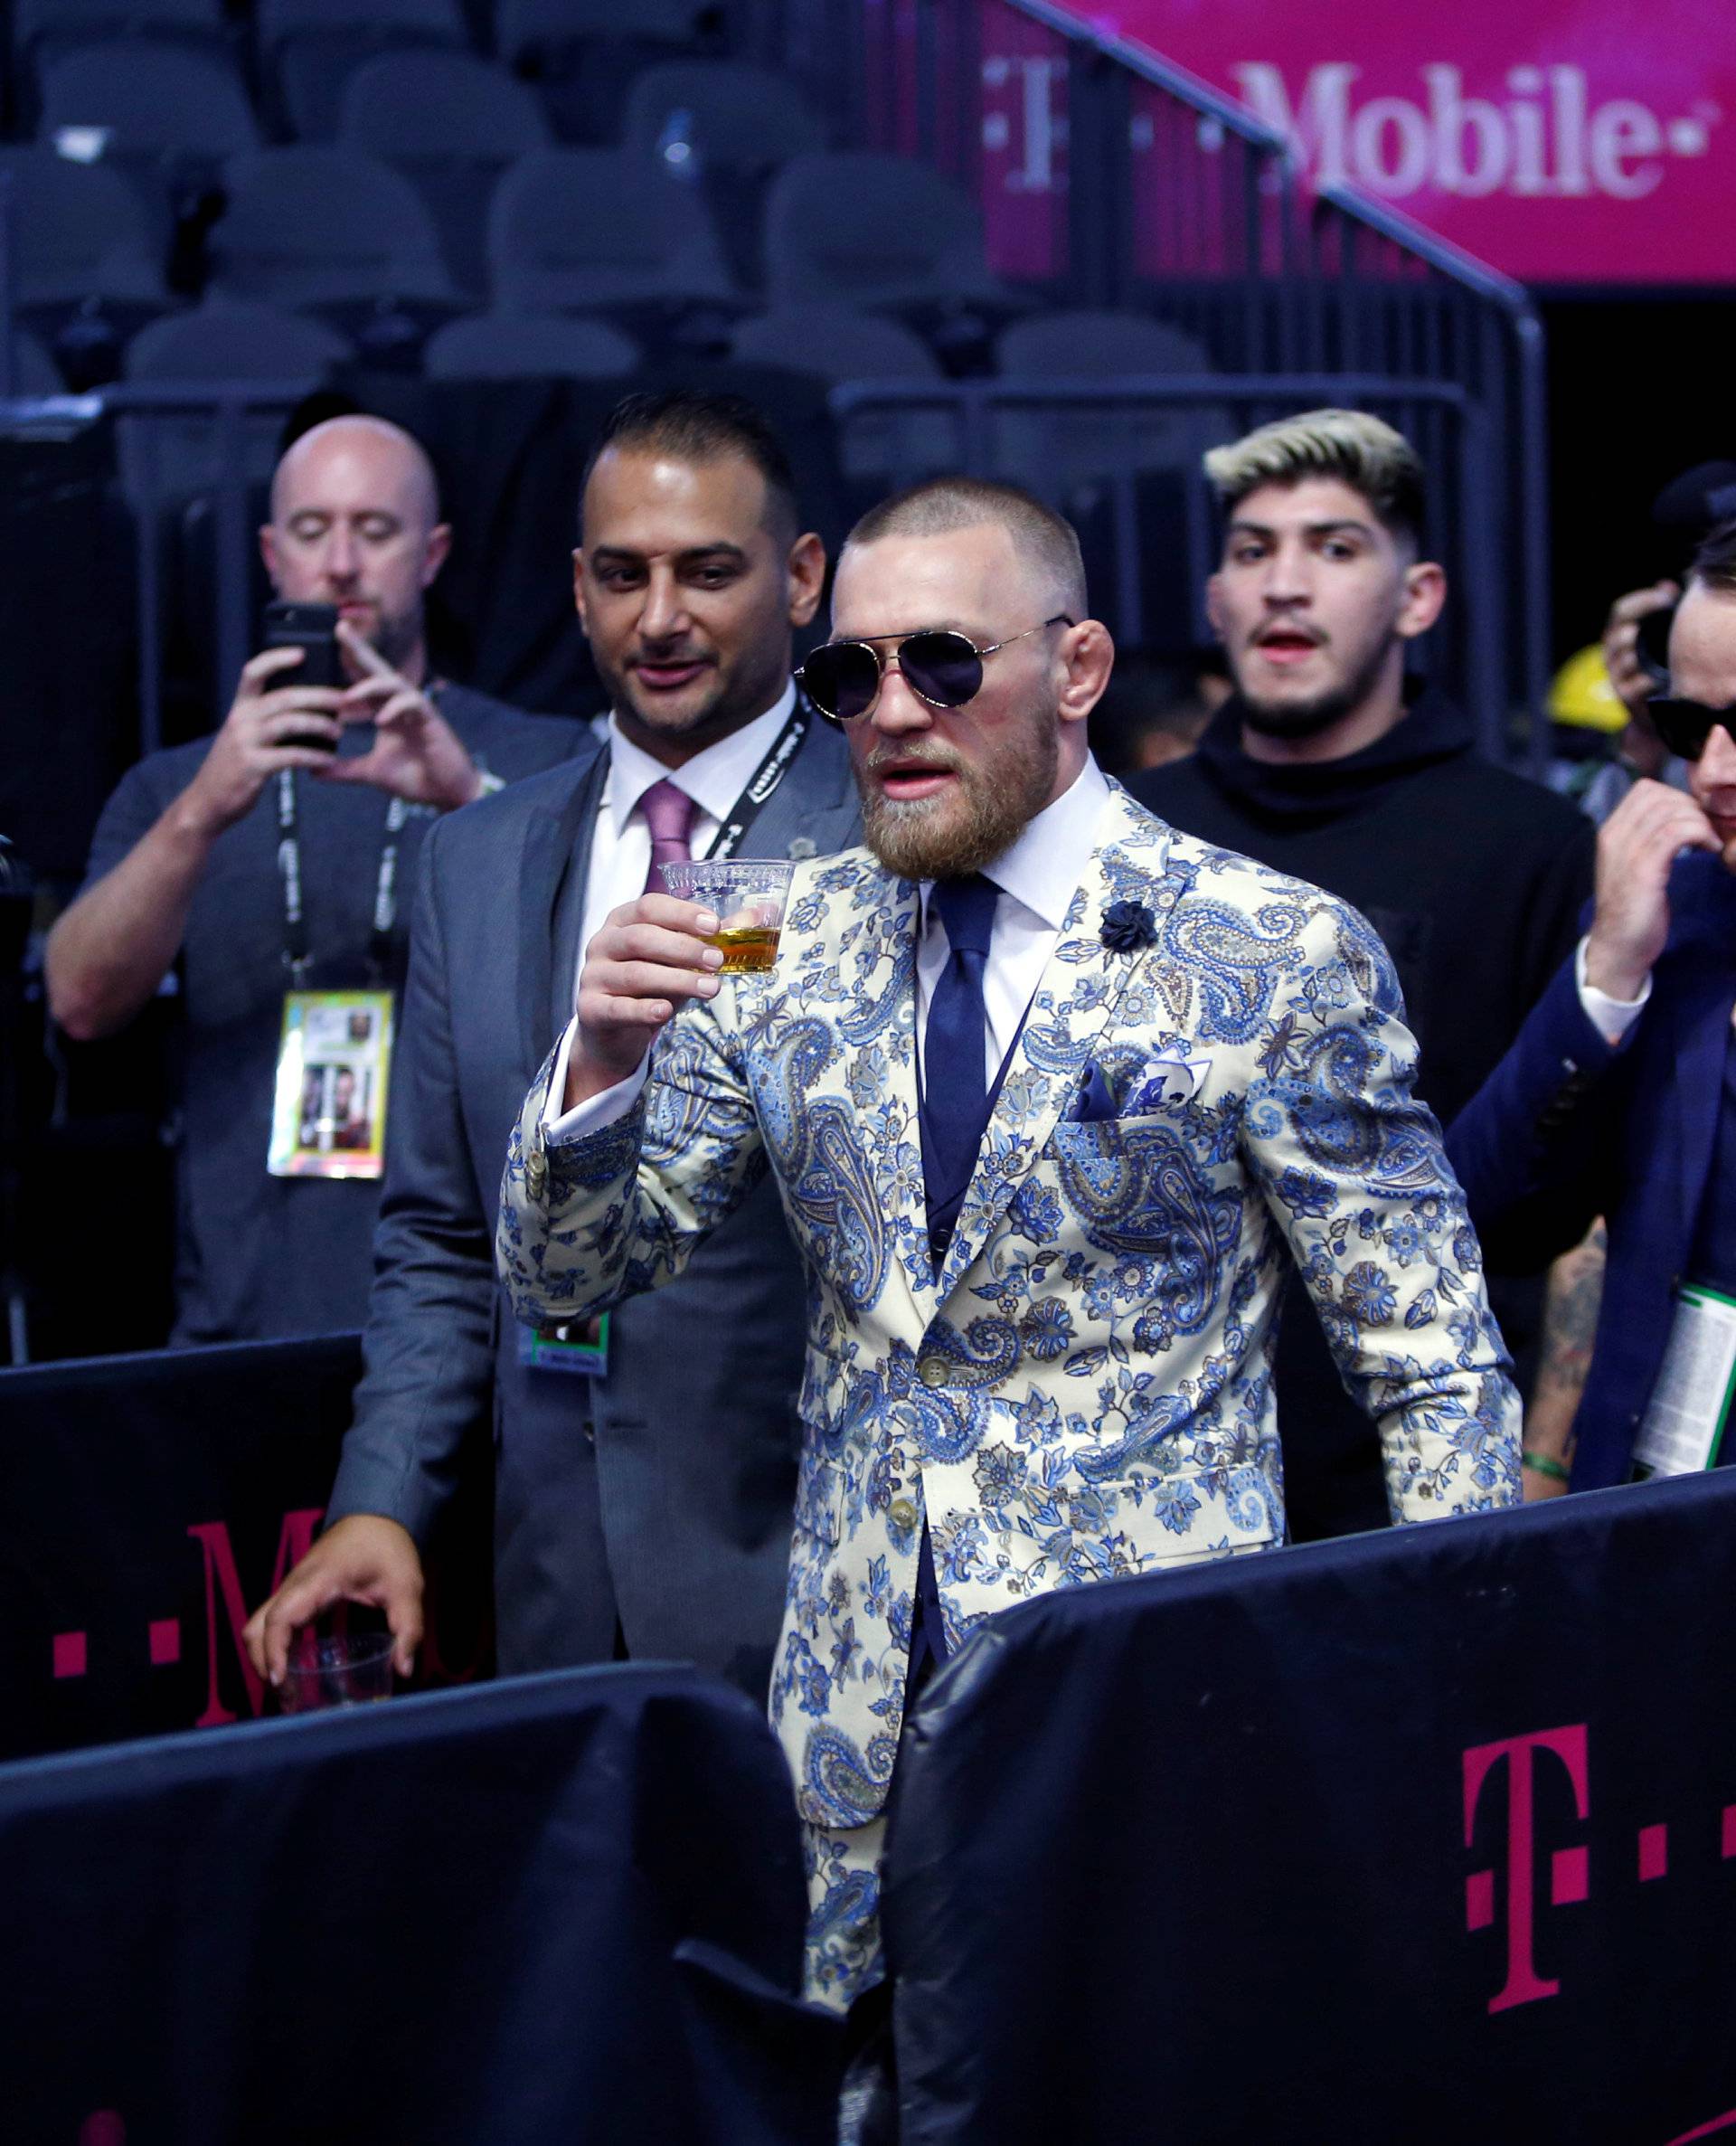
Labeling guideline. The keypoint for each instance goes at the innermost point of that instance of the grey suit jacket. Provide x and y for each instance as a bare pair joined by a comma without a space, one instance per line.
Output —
688,1445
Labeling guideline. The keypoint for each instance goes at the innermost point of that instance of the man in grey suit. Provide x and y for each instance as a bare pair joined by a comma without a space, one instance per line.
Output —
645,1475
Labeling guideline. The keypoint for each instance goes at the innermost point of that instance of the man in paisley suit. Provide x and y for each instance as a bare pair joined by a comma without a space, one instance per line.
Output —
1054,1097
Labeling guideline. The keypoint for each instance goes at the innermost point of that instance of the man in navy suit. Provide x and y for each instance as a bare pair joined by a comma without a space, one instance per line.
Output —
644,1476
1618,1096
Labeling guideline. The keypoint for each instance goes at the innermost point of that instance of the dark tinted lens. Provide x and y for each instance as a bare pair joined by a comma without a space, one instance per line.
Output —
1684,725
943,667
842,679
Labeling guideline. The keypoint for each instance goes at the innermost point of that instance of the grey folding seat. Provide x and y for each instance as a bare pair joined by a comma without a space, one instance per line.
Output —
168,457
584,54
452,123
726,127
170,115
154,100
42,28
885,448
232,339
314,226
1076,446
723,111
862,228
308,47
80,237
529,346
572,230
1127,475
33,371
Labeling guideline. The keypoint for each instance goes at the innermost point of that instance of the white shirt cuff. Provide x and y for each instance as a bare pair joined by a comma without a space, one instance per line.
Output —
560,1126
1611,1018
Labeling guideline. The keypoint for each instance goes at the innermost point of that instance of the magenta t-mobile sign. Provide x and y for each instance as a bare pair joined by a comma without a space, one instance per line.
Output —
1571,141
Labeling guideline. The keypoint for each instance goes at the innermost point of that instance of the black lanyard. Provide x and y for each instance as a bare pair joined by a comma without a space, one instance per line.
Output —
770,772
297,954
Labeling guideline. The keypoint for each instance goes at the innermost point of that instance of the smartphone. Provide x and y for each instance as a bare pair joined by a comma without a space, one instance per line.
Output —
1652,643
313,628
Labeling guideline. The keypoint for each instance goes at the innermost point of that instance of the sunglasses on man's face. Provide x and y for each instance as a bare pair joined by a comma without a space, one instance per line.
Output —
1685,725
842,678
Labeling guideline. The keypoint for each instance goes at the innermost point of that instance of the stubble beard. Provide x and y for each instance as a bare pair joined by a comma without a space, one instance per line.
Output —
1307,719
977,819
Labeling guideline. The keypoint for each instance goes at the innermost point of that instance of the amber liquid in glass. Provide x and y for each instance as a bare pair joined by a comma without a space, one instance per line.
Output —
746,947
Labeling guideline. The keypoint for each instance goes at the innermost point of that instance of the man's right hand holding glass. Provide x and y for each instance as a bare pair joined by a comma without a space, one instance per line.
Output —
648,960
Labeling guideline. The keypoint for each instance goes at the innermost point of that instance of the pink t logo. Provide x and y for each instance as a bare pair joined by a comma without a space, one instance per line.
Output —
1568,1873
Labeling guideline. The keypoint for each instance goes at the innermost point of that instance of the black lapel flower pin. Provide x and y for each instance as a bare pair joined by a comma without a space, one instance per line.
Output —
1128,927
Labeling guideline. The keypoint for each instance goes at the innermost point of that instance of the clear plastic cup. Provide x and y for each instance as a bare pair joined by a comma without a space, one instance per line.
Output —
336,1670
748,896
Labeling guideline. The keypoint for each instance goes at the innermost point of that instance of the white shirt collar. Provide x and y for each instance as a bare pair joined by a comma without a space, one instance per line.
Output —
1043,868
713,778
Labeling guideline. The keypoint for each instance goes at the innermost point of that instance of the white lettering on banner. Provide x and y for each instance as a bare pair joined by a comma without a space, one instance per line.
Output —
1042,129
1545,138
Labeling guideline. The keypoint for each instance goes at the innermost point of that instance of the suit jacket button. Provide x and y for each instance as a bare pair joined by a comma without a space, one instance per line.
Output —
932,1371
901,1513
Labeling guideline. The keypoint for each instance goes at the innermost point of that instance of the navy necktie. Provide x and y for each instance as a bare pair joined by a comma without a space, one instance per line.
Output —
955,1080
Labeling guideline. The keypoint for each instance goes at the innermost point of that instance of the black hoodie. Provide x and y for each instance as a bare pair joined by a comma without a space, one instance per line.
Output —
1475,879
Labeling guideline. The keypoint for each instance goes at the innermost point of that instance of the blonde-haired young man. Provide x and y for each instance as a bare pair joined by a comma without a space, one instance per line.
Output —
1327,763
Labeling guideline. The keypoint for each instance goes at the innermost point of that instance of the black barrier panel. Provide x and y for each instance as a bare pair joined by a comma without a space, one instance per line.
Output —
559,1908
148,1504
1427,1837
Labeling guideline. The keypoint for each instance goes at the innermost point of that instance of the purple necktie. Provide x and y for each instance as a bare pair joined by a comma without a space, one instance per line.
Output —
669,814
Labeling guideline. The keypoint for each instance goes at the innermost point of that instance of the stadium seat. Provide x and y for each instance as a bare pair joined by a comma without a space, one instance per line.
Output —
862,228
584,53
880,448
33,371
529,346
80,237
723,113
572,230
1093,344
170,114
169,457
230,339
309,49
1076,458
452,123
311,226
1064,448
726,127
42,28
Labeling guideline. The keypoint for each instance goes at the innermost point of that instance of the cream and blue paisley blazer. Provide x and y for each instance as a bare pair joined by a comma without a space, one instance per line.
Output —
1083,1393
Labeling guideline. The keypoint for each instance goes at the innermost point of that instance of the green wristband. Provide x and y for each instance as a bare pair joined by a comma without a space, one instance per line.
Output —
1542,1464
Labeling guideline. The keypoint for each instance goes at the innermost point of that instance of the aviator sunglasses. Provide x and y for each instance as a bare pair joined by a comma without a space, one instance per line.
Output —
1685,725
842,678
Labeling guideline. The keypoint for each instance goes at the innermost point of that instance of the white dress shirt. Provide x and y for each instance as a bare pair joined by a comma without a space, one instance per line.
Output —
620,843
1038,878
1611,1018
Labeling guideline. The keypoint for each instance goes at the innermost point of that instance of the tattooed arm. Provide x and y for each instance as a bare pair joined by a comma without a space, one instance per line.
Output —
1570,1327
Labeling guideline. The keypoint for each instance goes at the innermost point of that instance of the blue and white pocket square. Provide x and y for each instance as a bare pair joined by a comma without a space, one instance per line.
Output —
1168,1078
1093,1099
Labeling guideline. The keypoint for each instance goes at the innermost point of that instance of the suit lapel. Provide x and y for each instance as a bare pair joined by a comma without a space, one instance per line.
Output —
1702,1018
553,869
815,806
1076,1003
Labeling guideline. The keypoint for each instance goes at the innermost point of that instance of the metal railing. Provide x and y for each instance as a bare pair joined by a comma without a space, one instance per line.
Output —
1109,176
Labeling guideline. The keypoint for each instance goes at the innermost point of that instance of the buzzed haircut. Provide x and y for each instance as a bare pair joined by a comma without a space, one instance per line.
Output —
1714,565
692,425
1358,449
1047,540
